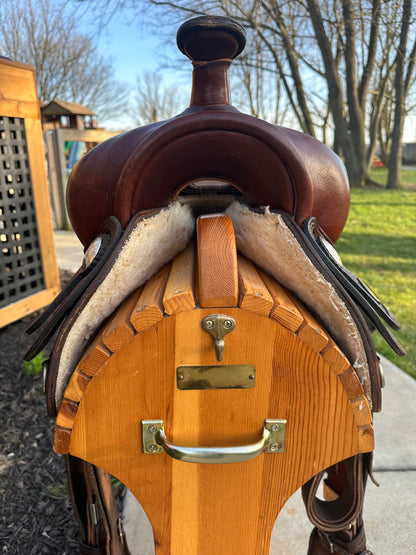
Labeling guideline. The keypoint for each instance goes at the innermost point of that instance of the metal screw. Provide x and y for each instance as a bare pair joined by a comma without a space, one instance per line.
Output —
180,376
275,447
275,427
152,428
209,324
251,377
258,293
228,324
152,447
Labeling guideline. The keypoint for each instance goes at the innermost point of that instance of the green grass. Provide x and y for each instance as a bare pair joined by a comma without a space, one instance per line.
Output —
34,366
379,245
379,175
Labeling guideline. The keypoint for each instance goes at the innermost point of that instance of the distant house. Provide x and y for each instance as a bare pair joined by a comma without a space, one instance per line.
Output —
409,154
59,114
70,130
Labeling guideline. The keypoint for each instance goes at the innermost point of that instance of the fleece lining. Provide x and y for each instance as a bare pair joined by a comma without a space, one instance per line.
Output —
266,240
263,238
152,243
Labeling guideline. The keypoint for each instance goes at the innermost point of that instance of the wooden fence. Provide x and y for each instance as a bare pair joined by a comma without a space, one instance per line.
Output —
29,277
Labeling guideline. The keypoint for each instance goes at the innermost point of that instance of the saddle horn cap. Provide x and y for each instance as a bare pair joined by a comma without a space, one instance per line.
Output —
209,38
211,43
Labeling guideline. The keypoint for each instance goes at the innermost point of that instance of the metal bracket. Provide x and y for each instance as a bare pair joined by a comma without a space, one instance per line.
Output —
218,325
277,429
149,430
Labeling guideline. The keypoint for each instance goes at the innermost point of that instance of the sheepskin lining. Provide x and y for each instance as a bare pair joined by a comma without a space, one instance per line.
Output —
152,243
266,240
263,238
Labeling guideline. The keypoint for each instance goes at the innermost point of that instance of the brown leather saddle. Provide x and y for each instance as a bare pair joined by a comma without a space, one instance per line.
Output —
133,201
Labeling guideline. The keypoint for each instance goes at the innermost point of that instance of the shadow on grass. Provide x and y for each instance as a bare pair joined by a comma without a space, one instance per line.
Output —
399,252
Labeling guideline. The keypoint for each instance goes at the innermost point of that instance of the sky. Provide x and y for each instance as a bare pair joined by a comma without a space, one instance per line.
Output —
135,49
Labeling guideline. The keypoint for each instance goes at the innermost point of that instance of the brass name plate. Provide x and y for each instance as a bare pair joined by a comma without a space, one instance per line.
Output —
227,376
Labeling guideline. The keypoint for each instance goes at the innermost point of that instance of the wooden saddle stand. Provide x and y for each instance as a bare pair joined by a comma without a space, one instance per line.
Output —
213,354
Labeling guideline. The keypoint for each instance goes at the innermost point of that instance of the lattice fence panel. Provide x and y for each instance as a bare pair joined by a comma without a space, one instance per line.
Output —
21,272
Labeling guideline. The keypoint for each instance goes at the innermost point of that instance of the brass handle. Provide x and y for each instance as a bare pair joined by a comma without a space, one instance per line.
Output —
156,442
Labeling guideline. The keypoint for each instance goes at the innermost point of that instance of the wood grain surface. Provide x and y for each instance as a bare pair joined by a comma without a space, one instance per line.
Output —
301,376
222,508
217,255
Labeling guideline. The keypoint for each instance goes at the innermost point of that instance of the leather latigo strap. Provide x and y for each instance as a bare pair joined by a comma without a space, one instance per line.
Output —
338,522
373,310
95,257
94,501
340,513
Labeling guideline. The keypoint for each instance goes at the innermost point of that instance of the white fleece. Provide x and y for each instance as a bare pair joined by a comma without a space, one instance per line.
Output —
266,240
152,243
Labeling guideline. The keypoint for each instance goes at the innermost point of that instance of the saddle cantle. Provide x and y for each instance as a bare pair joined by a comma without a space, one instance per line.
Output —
214,218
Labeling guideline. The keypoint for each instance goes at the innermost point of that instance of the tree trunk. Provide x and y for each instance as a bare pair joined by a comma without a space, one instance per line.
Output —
356,114
393,180
343,137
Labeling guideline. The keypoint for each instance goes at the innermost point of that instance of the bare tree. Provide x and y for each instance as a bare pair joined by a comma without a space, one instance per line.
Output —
67,65
156,101
333,60
401,85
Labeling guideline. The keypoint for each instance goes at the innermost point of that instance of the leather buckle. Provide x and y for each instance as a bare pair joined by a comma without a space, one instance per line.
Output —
325,538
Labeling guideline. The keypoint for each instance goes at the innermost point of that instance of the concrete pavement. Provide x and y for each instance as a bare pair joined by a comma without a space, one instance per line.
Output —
390,510
69,250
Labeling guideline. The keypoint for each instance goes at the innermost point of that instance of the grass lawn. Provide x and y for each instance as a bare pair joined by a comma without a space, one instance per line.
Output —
379,175
379,245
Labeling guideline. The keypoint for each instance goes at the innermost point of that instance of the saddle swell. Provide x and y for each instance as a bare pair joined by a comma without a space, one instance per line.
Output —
269,165
147,168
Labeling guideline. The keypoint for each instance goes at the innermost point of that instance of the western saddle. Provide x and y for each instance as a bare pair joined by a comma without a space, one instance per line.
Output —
213,352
